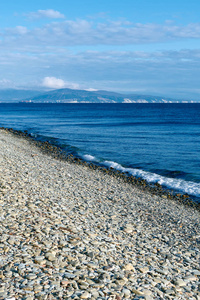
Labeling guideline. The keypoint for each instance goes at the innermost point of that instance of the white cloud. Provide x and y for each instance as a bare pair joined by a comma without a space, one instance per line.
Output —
52,82
29,55
87,33
91,90
47,13
21,29
16,31
57,83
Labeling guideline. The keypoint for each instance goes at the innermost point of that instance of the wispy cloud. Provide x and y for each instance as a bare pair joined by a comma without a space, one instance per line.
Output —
47,13
5,83
15,32
59,54
84,32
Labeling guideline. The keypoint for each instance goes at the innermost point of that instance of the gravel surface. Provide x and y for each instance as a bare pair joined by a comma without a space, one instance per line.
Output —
71,232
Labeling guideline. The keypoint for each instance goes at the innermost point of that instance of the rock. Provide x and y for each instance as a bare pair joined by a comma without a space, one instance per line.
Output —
8,274
69,275
65,282
144,269
180,282
147,292
40,259
128,228
190,278
137,291
31,276
196,272
129,267
50,256
126,292
85,295
95,294
38,288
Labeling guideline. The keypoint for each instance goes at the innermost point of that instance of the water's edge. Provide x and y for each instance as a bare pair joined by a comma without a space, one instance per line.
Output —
48,147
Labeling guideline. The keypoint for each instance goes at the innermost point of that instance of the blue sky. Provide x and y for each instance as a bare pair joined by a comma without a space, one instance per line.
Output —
147,47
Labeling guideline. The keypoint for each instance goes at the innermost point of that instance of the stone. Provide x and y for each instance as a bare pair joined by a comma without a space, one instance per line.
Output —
129,267
180,282
137,291
31,276
190,278
95,294
144,269
65,282
40,259
196,272
147,292
50,256
162,271
126,292
128,228
85,295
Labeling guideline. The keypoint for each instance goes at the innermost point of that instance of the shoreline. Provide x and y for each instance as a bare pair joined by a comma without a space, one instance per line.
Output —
69,231
154,188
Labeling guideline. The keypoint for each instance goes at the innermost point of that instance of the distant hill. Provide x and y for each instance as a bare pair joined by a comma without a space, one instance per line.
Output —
79,96
83,96
15,95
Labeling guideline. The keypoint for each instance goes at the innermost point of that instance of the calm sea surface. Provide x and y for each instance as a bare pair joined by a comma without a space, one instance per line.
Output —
159,142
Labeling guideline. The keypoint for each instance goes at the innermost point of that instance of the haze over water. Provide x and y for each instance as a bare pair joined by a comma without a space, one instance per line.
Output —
158,142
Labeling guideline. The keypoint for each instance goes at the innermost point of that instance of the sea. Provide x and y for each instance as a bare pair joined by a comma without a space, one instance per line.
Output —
157,142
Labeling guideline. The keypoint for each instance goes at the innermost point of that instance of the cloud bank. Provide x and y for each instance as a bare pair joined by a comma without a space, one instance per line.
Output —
84,32
83,54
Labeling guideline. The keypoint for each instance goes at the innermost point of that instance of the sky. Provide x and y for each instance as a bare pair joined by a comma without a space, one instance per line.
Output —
133,46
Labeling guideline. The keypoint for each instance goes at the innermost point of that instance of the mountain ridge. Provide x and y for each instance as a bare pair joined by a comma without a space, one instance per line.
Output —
67,95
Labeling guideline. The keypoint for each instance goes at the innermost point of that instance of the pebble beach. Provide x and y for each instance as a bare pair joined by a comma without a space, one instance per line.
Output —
68,231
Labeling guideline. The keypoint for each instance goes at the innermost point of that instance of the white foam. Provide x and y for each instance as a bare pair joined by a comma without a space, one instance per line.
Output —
114,165
34,135
180,185
189,187
89,157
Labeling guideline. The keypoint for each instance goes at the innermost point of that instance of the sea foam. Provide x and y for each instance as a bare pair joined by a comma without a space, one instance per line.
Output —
180,185
89,157
189,187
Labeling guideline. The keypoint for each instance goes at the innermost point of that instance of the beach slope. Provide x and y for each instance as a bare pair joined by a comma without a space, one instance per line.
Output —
71,232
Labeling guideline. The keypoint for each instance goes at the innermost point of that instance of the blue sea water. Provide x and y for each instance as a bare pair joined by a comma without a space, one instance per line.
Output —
157,142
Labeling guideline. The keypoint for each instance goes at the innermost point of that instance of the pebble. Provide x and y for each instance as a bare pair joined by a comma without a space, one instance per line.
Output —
180,282
129,267
31,276
50,257
126,292
85,295
89,235
144,269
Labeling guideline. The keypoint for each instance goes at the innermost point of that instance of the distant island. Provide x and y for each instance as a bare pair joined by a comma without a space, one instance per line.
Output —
80,96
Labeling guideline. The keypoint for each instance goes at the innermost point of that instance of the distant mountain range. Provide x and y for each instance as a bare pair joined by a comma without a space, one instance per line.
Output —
79,96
